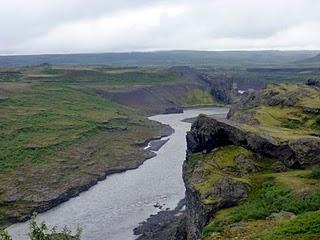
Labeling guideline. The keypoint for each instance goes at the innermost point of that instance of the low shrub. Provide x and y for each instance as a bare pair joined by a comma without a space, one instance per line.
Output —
42,232
315,173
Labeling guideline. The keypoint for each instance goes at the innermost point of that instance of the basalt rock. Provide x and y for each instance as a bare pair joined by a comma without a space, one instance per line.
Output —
227,192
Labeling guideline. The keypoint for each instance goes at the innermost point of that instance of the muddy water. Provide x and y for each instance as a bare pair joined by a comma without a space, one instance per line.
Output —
112,208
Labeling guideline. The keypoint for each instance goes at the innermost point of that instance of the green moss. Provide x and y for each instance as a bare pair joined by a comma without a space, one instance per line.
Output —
208,183
211,166
222,157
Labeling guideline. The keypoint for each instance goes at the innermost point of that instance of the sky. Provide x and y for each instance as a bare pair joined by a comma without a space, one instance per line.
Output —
83,26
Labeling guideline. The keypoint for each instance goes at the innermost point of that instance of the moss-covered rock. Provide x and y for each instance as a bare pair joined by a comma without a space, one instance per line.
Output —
241,174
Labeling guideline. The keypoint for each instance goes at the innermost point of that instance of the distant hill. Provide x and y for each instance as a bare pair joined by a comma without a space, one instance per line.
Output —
164,58
311,60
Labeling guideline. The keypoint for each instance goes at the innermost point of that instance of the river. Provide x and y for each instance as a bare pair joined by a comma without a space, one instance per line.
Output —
111,209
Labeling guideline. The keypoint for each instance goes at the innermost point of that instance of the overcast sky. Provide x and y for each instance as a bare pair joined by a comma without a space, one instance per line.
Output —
65,26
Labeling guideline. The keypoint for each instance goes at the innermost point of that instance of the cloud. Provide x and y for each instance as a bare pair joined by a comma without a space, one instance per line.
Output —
43,26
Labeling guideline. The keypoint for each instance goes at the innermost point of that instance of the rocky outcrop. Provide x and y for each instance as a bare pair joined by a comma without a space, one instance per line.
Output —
268,97
208,133
227,192
198,214
222,91
313,82
165,225
266,124
172,110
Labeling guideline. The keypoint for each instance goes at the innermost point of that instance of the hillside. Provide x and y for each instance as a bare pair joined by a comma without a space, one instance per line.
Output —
315,60
256,175
163,58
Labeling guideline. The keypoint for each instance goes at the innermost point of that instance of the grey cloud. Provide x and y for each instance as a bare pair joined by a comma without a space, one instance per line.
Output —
40,26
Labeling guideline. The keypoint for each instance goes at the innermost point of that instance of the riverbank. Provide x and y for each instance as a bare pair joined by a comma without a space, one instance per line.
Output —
166,224
114,207
74,188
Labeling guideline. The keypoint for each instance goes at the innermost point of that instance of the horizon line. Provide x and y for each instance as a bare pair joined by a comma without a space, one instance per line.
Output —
157,51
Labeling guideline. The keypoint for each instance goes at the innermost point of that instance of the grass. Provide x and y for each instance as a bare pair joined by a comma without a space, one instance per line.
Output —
315,173
10,76
49,119
304,227
289,118
292,123
269,196
199,97
95,76
284,123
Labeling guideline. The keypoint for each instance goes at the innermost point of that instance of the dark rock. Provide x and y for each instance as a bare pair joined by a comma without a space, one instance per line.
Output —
155,145
313,82
306,150
282,214
229,192
279,167
246,165
309,110
222,91
165,225
33,146
172,110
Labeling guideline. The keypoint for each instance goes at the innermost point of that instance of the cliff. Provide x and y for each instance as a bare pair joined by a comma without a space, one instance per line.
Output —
255,174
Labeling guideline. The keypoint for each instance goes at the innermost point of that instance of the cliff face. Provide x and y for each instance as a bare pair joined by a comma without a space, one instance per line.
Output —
208,134
193,87
230,161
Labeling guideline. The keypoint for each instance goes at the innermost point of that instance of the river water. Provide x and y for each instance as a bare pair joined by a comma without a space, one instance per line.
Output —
111,209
